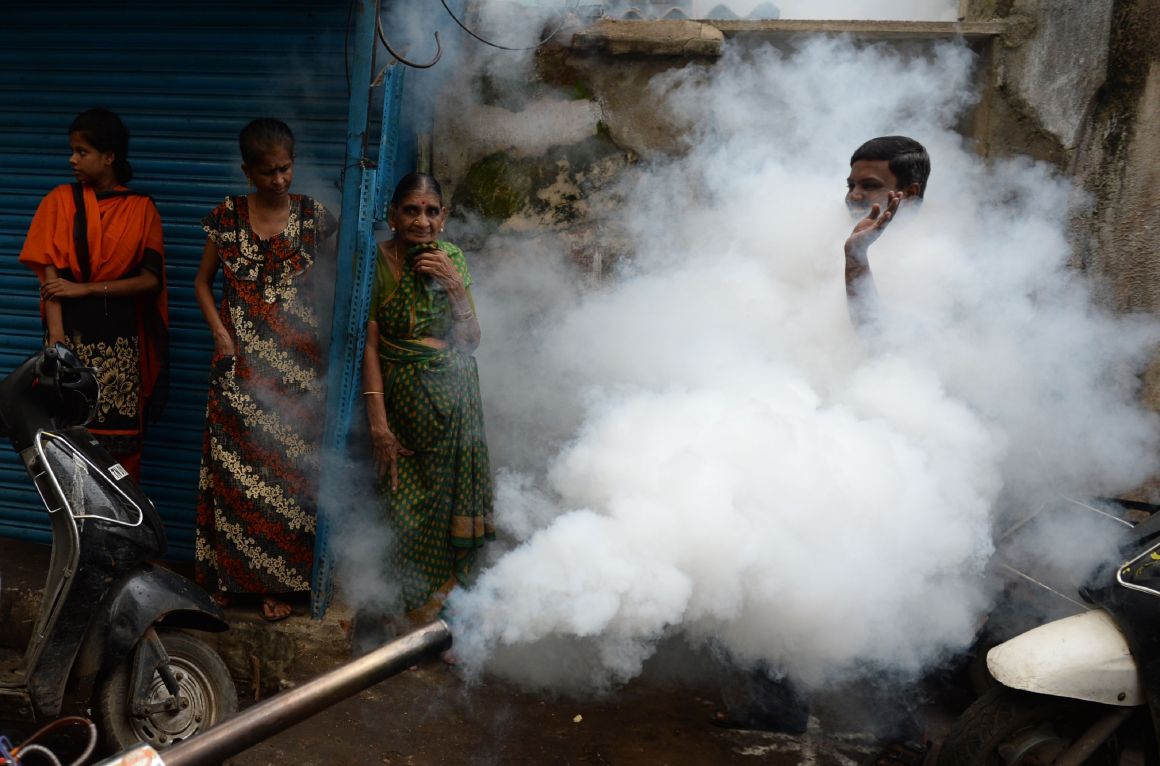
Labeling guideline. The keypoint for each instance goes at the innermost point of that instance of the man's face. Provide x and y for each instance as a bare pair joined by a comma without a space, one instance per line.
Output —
869,183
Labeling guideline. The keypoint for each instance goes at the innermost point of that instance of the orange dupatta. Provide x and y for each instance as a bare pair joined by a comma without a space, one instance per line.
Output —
119,229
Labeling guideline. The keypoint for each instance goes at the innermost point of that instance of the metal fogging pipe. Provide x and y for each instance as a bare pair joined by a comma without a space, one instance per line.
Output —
287,708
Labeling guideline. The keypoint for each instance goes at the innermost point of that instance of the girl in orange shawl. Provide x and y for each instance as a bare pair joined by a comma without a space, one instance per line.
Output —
97,248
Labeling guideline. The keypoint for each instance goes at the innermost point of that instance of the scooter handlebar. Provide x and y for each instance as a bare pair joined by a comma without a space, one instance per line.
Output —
57,361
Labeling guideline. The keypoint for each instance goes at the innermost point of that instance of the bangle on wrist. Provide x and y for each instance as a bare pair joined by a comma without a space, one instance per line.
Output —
373,393
465,316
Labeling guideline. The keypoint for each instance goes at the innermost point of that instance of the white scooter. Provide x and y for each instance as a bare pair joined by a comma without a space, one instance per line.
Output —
1082,689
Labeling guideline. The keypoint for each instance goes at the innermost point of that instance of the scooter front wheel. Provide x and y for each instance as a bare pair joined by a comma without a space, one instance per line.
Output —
203,680
1006,727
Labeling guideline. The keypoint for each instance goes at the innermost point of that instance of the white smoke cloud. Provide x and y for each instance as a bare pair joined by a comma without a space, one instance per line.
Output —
705,448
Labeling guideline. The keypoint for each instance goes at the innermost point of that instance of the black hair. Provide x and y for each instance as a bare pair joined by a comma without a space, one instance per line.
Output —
105,132
263,135
416,182
908,159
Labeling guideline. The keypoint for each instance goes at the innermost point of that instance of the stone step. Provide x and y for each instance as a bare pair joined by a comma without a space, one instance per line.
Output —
262,656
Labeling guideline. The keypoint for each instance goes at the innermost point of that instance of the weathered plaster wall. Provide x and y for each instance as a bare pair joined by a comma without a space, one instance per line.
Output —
1072,82
1123,248
528,155
530,161
529,167
1076,84
1119,163
1047,68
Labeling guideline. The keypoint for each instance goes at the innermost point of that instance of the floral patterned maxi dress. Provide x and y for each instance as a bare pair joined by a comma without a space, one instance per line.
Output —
257,490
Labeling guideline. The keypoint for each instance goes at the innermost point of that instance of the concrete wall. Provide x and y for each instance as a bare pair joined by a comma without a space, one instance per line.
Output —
1047,67
1118,159
1072,82
1075,82
527,159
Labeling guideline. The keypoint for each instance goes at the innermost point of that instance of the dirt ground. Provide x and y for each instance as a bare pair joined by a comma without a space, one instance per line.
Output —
429,716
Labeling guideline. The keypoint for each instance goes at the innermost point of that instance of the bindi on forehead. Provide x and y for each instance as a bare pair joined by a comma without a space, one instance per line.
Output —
419,203
421,199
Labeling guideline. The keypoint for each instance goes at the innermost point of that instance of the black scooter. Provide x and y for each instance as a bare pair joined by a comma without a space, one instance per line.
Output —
106,643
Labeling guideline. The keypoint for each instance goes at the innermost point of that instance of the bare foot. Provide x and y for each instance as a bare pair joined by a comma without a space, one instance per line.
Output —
449,658
222,599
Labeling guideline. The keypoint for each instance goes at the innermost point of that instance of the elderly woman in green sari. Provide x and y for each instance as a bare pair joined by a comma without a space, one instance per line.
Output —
421,387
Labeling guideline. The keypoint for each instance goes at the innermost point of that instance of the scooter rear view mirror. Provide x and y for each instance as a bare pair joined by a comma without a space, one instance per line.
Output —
75,386
1142,573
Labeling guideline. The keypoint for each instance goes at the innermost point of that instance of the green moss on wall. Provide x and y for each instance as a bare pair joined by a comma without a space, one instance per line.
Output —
551,187
553,68
496,187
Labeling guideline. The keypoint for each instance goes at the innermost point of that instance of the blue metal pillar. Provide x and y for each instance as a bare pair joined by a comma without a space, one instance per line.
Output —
351,297
387,174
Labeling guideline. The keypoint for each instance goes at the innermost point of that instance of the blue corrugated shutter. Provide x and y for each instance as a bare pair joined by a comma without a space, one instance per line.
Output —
184,76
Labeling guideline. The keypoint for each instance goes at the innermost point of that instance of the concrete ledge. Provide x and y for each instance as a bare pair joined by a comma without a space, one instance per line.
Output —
879,30
650,38
263,656
683,37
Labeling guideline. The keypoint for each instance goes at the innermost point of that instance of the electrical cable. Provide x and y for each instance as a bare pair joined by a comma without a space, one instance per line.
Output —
398,57
83,757
18,752
465,28
40,750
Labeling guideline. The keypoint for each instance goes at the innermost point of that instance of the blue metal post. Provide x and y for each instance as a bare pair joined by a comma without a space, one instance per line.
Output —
387,173
351,296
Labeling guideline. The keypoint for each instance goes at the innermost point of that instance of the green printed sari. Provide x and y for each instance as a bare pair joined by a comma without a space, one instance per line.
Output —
442,511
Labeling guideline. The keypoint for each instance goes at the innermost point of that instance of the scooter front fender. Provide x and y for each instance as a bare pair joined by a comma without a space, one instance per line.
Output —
1083,657
146,597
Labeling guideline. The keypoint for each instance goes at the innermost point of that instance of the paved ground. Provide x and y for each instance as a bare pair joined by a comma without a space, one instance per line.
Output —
429,716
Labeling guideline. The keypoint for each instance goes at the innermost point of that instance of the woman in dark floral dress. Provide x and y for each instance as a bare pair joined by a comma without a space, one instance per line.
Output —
259,471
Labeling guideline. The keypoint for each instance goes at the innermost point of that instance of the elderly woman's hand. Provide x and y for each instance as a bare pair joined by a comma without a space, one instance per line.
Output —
387,449
437,265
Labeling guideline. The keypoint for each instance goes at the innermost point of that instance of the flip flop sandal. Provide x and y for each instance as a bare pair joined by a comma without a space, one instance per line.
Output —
271,610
